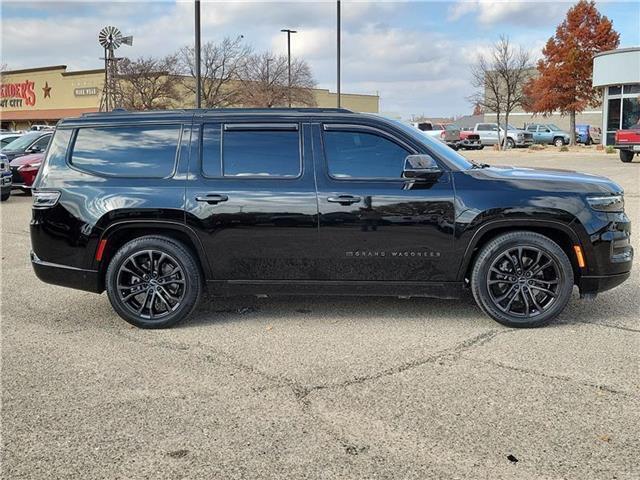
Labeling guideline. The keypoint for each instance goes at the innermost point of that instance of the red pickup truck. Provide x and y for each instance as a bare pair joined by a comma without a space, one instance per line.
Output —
628,142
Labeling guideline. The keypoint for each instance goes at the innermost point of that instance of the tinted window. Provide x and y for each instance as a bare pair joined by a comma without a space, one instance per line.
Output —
484,127
616,90
269,153
145,151
363,155
532,128
41,144
631,89
630,113
211,164
613,118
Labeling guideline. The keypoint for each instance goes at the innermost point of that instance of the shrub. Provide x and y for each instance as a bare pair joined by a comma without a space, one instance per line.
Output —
564,148
610,149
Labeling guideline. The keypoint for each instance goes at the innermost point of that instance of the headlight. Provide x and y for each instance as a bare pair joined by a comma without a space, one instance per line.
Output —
609,203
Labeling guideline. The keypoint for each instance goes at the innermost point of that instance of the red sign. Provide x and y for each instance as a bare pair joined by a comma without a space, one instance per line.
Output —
13,94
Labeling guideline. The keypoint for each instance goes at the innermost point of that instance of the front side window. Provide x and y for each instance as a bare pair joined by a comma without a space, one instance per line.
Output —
136,151
356,154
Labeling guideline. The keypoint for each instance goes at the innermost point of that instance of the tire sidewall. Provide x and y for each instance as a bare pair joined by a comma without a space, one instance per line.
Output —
193,281
493,250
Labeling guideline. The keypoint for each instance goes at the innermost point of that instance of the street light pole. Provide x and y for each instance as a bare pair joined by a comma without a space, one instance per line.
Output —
197,57
338,54
289,32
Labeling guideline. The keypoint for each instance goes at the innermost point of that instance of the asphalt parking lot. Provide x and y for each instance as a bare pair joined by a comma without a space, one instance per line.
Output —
320,387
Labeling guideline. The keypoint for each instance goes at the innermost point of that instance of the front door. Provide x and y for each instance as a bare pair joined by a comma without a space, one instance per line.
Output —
375,225
251,199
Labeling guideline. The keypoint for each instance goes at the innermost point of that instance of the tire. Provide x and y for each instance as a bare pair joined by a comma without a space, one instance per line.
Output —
510,143
527,303
4,196
626,156
558,142
480,147
174,283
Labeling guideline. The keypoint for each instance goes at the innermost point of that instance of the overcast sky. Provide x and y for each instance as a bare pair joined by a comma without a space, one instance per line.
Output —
415,54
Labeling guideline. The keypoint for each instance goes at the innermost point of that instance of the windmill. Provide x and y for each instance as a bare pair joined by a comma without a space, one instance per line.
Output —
110,39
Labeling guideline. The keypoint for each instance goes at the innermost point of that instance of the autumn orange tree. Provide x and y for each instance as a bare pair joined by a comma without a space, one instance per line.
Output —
565,71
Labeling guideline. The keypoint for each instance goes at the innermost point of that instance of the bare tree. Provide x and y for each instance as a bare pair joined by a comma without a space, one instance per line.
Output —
147,83
265,82
221,65
500,78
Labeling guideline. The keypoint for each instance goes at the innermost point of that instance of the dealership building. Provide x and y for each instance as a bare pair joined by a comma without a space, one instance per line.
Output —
44,95
617,74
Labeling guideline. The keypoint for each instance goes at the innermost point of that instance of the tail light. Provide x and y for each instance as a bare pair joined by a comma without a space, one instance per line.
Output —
45,199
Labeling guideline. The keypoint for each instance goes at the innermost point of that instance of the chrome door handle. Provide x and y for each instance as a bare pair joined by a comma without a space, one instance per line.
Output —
344,199
212,198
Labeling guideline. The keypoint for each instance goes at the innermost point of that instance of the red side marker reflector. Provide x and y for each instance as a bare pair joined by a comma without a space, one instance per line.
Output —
579,256
100,250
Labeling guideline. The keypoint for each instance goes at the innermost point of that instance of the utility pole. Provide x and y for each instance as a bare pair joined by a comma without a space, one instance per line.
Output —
338,54
197,57
289,32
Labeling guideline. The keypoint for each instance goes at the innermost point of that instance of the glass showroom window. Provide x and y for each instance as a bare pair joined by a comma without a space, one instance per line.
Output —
622,109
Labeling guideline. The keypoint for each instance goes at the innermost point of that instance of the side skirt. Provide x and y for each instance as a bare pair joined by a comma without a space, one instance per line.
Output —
445,290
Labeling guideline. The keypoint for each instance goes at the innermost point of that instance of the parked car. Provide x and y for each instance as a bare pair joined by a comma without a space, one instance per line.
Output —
32,142
5,178
372,206
588,134
431,129
24,170
451,135
39,128
470,140
628,143
548,134
515,137
7,138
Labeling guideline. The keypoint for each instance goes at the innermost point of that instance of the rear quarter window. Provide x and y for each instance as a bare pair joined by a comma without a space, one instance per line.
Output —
133,151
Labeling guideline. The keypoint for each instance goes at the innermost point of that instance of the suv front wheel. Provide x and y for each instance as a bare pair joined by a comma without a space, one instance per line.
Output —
522,279
153,282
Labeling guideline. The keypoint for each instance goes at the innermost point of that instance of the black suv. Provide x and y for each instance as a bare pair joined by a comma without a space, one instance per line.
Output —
151,206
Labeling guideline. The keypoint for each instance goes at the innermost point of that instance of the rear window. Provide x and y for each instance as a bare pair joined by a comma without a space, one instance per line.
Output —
251,151
138,151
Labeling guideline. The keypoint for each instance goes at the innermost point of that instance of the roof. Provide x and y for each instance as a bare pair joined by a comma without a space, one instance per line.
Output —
48,114
619,50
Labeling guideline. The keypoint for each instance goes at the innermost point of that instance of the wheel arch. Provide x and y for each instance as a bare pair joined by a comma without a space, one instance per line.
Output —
119,233
559,232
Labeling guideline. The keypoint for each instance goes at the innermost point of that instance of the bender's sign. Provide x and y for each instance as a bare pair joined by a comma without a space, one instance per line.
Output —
17,95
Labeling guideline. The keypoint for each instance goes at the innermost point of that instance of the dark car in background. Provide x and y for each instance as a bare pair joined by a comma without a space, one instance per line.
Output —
5,178
152,206
24,170
32,142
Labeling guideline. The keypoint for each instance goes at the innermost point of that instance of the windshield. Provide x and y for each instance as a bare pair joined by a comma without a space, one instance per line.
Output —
436,145
553,127
510,127
23,142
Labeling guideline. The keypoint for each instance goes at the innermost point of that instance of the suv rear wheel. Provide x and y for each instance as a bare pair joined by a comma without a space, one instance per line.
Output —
153,282
522,279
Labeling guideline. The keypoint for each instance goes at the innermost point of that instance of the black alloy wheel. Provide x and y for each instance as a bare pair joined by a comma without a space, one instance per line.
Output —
153,282
522,279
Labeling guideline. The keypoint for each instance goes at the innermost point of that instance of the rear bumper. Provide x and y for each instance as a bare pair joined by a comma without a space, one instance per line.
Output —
629,148
65,276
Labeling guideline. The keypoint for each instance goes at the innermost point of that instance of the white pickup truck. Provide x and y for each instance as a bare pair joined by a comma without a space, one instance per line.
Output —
515,137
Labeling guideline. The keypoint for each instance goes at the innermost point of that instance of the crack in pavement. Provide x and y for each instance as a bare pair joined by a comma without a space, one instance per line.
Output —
301,393
605,325
564,378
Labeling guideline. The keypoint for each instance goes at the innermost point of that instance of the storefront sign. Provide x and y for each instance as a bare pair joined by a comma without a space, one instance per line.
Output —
85,91
17,95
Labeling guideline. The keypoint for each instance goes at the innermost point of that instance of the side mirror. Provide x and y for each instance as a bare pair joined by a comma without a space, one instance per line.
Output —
419,166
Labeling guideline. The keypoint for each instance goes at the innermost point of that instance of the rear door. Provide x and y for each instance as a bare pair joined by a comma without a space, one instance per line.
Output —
251,198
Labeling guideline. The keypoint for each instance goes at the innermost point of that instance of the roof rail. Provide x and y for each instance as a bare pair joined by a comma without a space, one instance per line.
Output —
223,110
